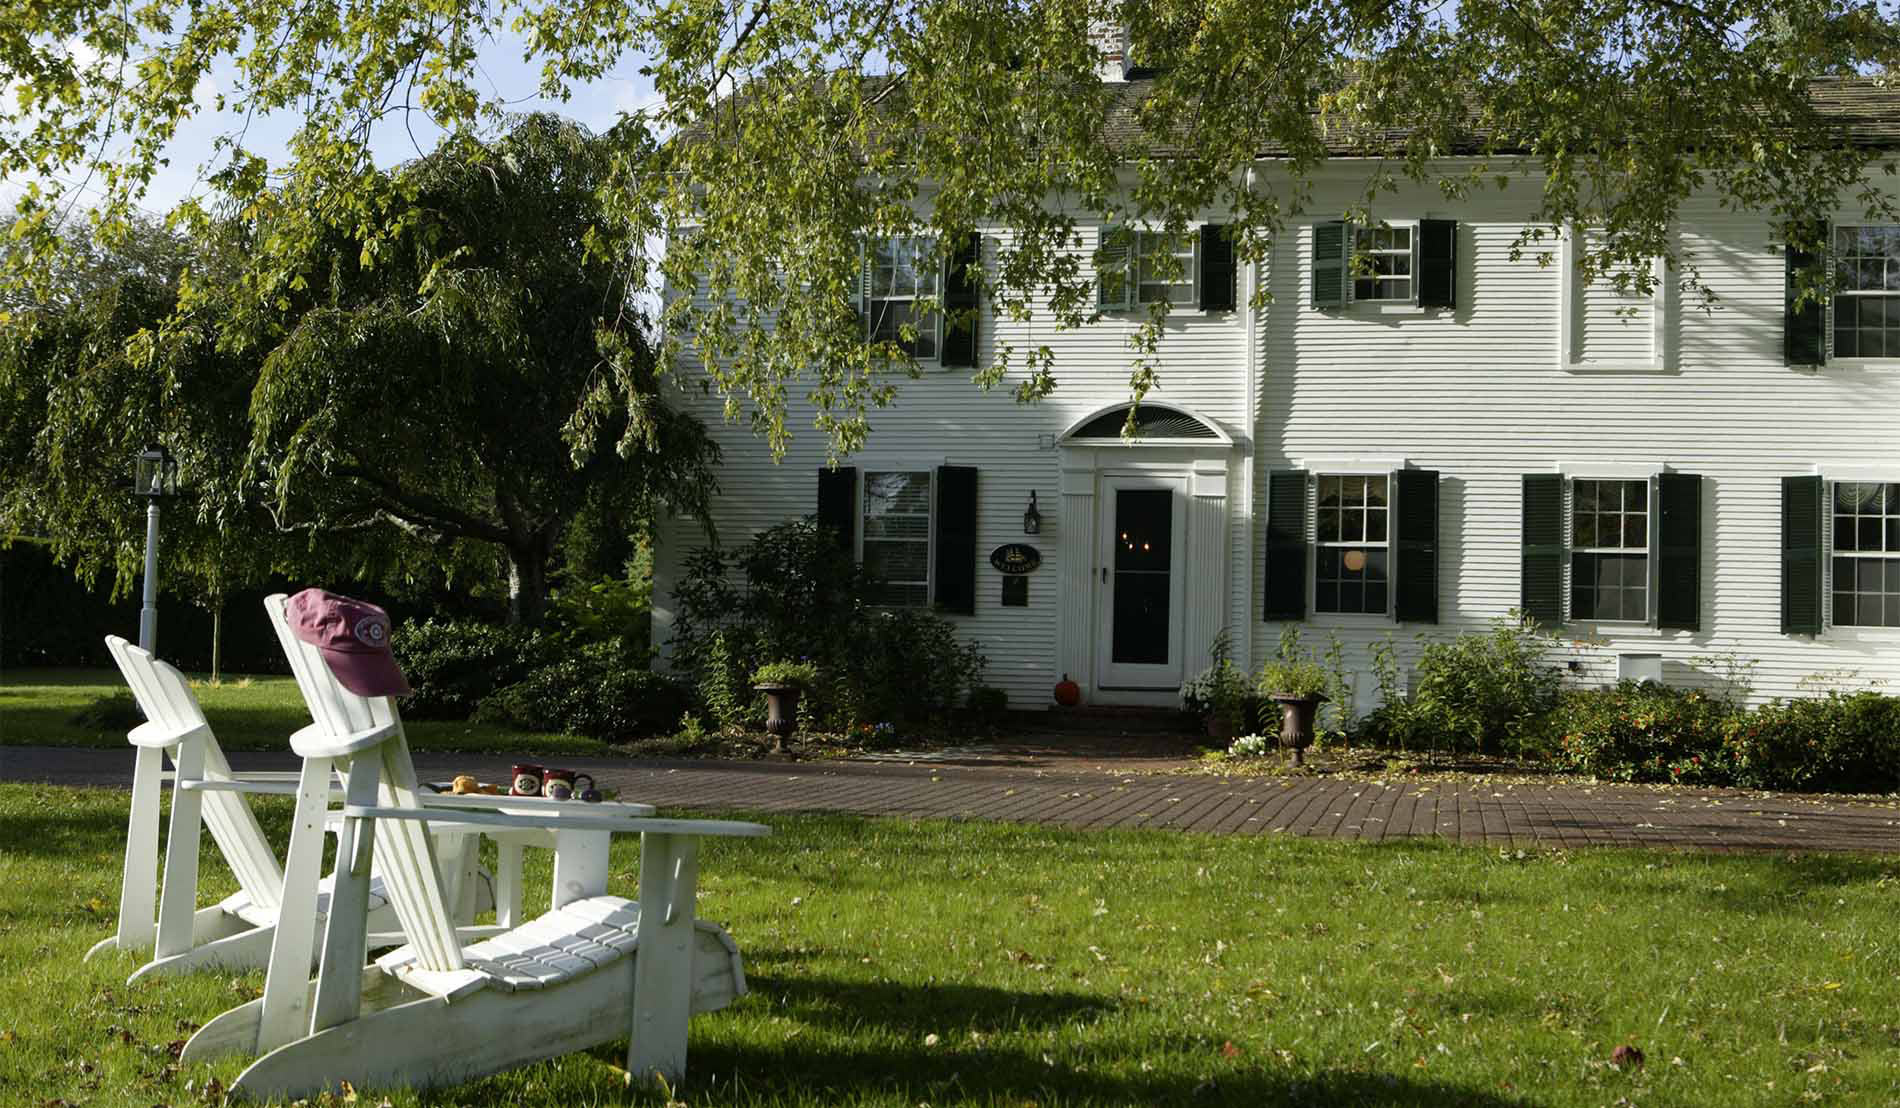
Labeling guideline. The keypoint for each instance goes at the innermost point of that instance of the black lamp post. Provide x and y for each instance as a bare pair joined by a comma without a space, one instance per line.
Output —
154,477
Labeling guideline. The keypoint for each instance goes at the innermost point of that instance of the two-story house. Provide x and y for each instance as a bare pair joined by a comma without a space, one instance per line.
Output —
1416,434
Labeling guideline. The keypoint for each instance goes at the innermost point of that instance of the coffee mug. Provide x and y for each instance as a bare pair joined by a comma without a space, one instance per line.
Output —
589,794
527,780
560,784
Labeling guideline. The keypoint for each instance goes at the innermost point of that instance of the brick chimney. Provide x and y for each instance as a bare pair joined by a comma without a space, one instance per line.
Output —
1111,39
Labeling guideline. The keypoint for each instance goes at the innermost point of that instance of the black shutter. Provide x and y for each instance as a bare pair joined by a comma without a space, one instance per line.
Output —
1217,269
838,506
1329,265
1803,331
953,582
1415,577
1437,263
960,302
1541,583
1286,545
1801,507
1679,551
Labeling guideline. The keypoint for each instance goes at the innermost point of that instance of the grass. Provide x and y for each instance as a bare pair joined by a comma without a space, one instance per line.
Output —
88,707
906,963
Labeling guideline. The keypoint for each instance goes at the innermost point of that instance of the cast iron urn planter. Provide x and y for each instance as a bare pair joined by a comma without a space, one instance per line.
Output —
782,712
1296,721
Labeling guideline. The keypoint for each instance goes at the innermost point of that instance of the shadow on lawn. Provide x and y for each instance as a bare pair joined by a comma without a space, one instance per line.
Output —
961,1070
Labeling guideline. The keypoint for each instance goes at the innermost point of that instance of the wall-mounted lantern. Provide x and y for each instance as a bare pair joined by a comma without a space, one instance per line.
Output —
1032,519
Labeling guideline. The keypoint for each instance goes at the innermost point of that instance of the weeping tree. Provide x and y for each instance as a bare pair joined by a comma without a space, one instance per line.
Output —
472,375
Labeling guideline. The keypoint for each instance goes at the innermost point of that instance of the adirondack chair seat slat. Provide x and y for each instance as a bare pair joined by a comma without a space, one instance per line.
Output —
265,915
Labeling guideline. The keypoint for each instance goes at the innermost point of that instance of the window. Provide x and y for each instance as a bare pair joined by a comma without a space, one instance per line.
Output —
1609,550
1135,269
1866,560
1382,266
1352,525
903,270
1867,297
897,537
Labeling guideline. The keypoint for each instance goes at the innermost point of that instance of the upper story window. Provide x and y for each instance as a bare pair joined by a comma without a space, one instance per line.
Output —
1382,264
896,533
1866,562
1609,550
902,270
1147,267
1867,296
1352,535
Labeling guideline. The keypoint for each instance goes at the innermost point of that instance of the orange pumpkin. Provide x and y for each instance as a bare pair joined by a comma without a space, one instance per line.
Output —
1068,693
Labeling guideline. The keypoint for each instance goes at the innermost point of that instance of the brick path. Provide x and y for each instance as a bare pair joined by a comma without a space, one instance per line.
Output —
1069,793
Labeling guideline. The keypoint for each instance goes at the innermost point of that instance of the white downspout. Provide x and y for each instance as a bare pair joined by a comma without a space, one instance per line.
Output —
1243,635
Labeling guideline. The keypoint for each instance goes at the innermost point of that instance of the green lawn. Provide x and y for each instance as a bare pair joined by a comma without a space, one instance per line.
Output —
42,707
904,963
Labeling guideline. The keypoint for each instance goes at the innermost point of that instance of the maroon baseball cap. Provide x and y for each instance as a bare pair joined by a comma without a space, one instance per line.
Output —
353,637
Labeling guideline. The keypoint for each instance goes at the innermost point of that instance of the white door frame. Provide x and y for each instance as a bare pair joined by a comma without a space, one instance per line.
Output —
1132,676
1200,467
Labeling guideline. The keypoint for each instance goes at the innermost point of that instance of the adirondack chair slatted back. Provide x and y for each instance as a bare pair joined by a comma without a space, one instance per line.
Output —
165,697
404,852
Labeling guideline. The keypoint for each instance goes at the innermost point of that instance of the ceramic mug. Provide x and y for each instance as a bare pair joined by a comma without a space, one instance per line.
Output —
589,794
527,780
560,784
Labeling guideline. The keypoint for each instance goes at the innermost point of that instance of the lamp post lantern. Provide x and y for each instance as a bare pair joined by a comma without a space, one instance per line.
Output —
154,477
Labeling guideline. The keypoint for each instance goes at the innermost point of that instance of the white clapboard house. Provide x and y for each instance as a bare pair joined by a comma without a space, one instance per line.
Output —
1411,453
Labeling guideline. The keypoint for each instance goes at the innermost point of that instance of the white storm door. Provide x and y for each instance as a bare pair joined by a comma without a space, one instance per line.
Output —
1139,582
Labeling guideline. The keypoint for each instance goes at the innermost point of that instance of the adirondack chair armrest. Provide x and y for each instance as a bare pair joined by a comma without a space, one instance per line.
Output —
163,735
623,824
317,741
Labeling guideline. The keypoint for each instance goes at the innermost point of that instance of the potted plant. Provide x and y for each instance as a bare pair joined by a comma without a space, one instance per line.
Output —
1297,682
1221,696
782,683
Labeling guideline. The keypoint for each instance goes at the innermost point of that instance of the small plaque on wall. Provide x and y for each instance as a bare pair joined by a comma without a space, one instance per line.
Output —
1015,592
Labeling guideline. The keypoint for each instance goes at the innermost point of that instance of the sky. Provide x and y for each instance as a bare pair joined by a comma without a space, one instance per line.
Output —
596,105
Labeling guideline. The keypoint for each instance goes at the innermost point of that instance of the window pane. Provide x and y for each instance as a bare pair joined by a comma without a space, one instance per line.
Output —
1635,496
1586,496
1636,531
1583,531
1352,526
1844,533
1609,530
1328,525
1375,526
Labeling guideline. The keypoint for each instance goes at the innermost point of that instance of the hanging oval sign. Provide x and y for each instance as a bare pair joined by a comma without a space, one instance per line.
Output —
1015,557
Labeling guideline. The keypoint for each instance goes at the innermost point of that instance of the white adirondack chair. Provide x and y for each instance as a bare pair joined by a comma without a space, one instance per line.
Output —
236,932
435,1012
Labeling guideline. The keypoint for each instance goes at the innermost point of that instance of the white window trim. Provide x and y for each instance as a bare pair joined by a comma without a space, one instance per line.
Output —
1570,316
866,267
1406,306
1574,472
1827,326
1828,481
929,470
1131,300
1352,468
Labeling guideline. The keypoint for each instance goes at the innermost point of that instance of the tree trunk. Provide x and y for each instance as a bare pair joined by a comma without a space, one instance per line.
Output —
527,585
217,639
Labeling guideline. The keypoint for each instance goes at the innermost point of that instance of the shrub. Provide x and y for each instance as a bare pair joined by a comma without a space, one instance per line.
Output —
603,609
802,675
1221,690
1645,732
988,703
115,711
453,664
788,594
1487,692
601,690
1293,671
1848,742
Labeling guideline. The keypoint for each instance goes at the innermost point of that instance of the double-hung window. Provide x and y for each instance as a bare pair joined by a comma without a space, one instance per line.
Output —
897,537
1867,292
1866,561
1352,532
902,271
1609,550
1382,264
1147,267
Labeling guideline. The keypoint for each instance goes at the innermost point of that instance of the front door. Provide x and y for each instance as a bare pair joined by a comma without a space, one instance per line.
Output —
1140,588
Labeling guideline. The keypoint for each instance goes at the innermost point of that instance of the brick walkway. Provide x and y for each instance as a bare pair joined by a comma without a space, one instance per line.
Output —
1068,793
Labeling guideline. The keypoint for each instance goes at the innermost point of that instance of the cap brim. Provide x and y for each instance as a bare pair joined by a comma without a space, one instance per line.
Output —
366,674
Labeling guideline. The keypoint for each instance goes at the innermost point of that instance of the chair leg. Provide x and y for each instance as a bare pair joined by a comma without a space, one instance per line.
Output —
285,1016
138,891
178,897
345,932
663,958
